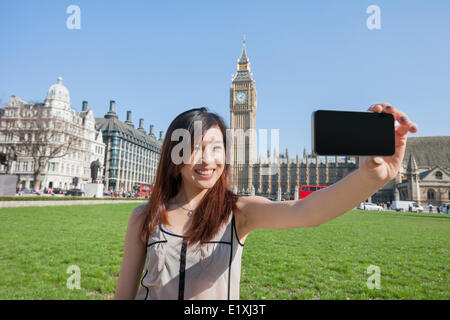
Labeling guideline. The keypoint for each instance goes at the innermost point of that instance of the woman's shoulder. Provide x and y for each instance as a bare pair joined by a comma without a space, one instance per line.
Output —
246,205
244,201
139,212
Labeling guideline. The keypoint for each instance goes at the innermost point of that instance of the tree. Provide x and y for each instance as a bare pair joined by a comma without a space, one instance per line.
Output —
36,131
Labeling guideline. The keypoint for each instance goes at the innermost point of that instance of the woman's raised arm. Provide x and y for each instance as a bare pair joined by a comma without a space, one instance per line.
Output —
133,258
335,200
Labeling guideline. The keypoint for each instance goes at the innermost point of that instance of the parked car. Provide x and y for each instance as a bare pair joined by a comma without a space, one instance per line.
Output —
74,192
445,208
405,206
369,206
57,191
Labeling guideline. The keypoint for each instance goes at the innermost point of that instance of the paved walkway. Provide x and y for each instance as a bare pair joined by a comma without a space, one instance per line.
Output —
12,204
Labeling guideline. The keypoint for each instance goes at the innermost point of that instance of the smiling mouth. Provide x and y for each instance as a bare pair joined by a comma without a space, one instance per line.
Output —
205,173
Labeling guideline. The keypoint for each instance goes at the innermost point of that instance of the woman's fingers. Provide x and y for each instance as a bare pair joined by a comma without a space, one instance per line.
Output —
412,127
382,107
400,116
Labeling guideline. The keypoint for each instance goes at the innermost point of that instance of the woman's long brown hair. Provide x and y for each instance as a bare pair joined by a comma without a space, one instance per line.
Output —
218,202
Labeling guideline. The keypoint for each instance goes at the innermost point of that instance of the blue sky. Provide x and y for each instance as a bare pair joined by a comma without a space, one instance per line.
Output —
158,58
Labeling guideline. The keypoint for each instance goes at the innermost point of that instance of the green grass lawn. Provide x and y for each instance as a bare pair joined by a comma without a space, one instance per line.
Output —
38,244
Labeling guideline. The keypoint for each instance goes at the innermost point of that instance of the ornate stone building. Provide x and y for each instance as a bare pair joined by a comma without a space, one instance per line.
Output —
69,171
425,173
243,106
132,155
424,177
276,175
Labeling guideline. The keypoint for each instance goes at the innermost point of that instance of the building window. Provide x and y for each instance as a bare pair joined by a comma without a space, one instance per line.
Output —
430,194
439,175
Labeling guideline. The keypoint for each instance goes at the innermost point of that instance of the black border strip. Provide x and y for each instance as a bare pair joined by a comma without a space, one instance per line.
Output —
235,232
182,271
231,258
223,242
170,233
150,244
146,270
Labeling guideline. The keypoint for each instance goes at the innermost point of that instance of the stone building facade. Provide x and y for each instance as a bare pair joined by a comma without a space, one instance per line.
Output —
275,175
132,154
72,170
424,176
425,173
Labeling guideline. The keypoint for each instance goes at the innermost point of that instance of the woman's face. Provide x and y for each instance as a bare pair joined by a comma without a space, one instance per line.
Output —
207,161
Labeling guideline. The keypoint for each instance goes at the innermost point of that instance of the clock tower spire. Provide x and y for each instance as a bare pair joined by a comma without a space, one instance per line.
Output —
243,105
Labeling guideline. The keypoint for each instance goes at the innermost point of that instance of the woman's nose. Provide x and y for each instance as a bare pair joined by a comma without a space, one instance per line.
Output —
207,156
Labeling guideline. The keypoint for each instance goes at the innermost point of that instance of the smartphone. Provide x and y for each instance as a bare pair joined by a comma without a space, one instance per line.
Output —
348,133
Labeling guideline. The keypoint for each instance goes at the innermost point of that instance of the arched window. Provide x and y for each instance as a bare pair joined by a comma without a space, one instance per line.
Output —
430,194
438,175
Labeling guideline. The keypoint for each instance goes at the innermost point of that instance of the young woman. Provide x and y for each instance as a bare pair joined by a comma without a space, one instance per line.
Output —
188,238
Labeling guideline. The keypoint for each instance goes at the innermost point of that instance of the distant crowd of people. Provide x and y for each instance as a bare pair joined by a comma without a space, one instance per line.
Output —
445,208
124,194
53,191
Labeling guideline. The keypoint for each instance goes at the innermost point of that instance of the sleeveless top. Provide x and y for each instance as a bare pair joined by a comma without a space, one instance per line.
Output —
174,270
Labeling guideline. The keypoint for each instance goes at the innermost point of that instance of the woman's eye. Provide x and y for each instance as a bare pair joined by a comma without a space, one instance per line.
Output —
218,147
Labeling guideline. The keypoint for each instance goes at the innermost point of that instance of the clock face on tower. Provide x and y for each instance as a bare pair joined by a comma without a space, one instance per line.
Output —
241,97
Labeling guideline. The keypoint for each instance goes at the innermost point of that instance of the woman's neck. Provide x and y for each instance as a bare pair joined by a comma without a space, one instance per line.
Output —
190,197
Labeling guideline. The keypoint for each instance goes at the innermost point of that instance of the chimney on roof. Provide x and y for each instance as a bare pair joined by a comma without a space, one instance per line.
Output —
84,107
112,110
128,121
161,135
141,125
151,130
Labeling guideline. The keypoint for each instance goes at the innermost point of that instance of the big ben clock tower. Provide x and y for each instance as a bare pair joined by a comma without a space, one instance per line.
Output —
242,118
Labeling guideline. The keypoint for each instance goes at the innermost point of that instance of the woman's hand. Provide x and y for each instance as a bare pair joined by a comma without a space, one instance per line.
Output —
384,169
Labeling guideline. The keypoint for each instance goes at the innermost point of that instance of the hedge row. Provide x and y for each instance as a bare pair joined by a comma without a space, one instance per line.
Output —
19,198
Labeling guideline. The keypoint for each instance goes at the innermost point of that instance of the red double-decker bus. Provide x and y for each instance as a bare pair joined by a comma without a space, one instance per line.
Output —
305,190
143,189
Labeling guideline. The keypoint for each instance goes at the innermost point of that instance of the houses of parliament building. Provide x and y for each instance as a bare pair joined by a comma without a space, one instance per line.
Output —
277,175
424,176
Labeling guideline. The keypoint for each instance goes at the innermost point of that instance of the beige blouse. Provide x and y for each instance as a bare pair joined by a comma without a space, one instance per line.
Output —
175,271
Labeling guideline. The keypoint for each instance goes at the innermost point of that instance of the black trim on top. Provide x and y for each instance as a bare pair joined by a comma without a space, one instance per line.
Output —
146,270
235,232
231,258
223,242
172,234
182,271
150,244
177,235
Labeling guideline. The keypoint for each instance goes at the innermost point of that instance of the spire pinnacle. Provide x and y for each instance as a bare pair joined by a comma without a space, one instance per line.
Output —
243,59
412,164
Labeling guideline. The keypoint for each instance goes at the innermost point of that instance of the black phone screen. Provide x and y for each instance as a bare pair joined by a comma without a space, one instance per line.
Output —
353,133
